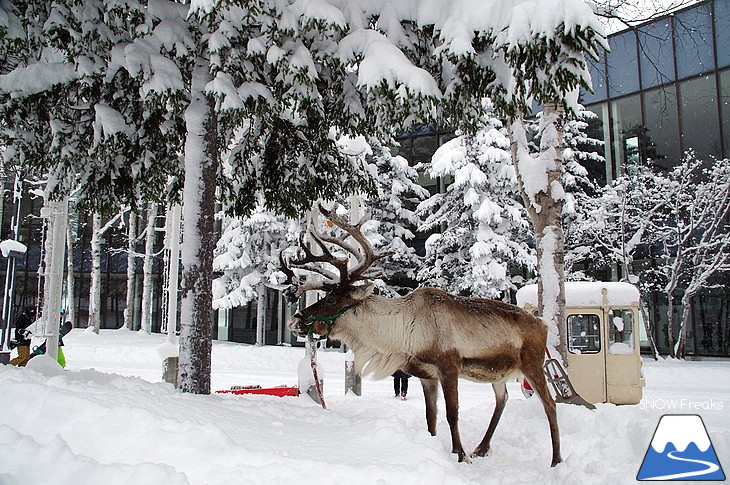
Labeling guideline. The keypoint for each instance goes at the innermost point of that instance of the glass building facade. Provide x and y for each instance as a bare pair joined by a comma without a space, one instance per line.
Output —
664,88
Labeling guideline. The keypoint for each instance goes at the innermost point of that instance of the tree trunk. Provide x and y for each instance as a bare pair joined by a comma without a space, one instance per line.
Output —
70,281
681,346
670,323
540,180
149,247
201,167
174,215
669,289
648,329
261,315
95,286
131,280
55,212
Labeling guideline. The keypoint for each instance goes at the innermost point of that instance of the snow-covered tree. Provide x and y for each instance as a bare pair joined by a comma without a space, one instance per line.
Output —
131,263
392,208
150,237
247,254
677,218
482,227
580,153
97,233
696,235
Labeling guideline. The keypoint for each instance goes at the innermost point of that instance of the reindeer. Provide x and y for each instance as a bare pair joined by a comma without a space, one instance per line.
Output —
431,334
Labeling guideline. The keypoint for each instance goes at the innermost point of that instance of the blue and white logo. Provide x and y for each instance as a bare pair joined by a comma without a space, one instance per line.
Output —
680,450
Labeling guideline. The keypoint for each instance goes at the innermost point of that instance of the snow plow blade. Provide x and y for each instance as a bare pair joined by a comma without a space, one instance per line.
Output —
563,389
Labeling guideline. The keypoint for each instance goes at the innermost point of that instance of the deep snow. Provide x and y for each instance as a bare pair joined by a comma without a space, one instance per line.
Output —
109,420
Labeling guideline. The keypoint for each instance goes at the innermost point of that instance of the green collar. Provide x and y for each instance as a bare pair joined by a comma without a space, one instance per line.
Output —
329,320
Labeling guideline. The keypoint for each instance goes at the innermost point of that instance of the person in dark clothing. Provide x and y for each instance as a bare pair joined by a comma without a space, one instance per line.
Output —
22,339
400,384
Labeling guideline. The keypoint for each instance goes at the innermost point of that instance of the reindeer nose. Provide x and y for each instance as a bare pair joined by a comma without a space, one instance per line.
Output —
298,325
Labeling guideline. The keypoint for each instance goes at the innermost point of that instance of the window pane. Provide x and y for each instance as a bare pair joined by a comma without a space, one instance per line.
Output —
722,32
623,69
693,31
620,331
700,121
725,103
584,334
598,130
655,42
627,129
424,147
598,79
662,122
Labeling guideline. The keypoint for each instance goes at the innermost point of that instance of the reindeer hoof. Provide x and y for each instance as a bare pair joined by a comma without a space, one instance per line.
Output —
556,461
464,458
480,452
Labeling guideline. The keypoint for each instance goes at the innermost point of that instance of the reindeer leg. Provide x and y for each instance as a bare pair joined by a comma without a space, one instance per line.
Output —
500,393
450,386
430,394
536,378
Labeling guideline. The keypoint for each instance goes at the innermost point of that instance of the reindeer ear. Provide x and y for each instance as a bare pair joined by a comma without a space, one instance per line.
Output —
361,292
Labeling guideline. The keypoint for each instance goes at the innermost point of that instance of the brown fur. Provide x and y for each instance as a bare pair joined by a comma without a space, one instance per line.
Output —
440,337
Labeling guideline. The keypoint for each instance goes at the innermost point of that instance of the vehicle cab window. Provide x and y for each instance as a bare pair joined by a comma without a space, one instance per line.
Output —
584,334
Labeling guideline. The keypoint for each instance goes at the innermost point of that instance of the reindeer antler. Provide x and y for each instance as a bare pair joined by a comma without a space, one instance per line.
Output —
309,262
366,260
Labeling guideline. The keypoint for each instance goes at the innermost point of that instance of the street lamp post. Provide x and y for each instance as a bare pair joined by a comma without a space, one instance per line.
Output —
11,249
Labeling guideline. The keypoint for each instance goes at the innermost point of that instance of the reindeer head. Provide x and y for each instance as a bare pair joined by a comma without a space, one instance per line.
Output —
332,254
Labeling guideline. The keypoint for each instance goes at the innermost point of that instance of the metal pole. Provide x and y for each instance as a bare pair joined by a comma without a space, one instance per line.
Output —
9,292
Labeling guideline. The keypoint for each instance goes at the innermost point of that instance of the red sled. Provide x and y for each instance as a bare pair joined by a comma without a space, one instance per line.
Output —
280,391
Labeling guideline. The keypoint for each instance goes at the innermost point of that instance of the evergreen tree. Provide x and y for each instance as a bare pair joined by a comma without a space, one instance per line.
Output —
393,208
483,230
247,252
247,255
581,153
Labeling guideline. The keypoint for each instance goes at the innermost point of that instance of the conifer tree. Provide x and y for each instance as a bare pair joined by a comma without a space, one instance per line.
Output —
482,228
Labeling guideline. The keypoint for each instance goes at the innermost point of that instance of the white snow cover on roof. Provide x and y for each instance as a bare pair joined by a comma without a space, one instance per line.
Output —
586,293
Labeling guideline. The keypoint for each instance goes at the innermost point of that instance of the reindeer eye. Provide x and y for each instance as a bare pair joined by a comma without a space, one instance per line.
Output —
330,300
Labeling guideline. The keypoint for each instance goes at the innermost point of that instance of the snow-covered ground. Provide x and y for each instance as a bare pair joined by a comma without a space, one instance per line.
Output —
108,419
